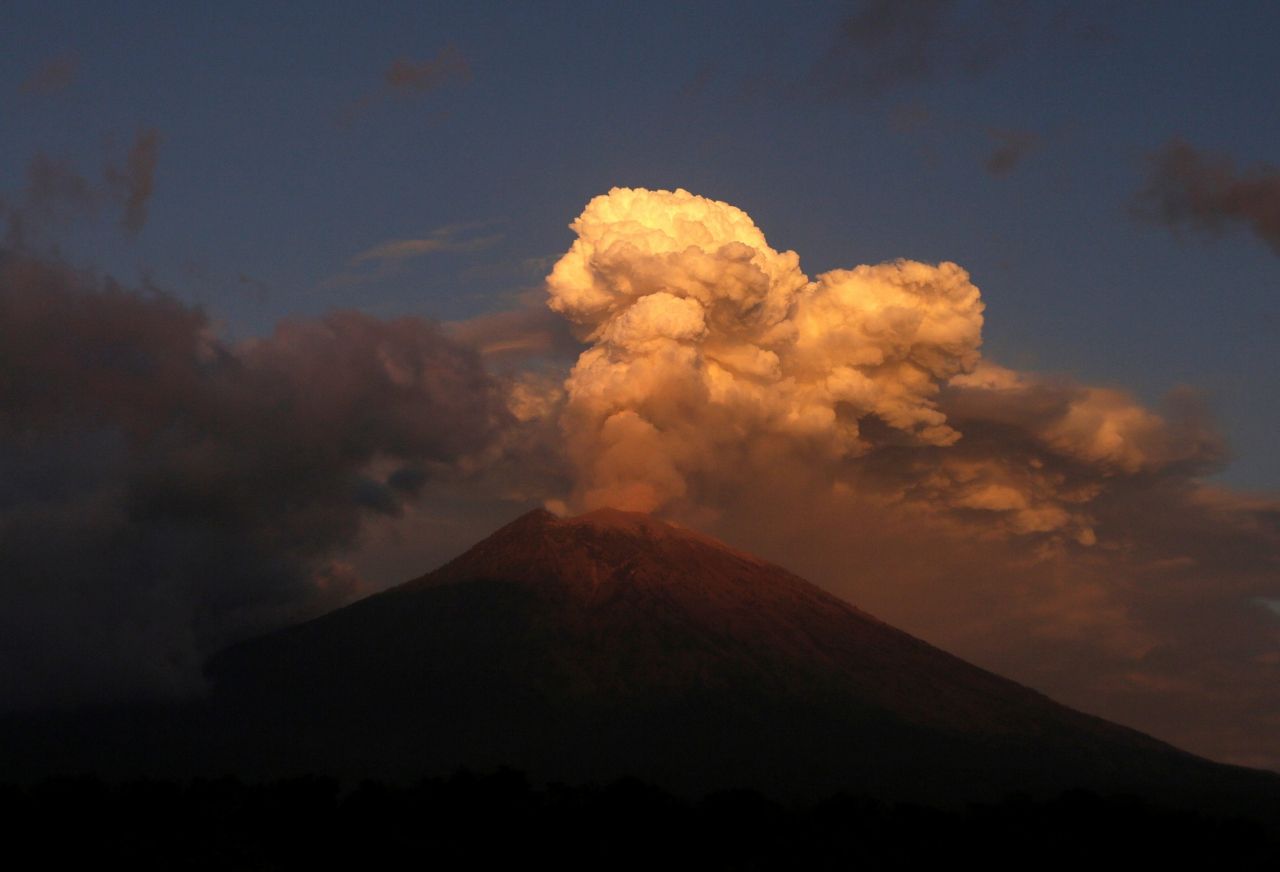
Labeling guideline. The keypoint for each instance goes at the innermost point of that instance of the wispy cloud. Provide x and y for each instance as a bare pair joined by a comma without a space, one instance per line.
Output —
1011,146
883,46
406,78
1204,191
53,76
440,240
387,258
56,194
136,179
417,77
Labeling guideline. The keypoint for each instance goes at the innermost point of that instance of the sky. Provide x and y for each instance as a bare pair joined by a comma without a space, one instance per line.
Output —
277,287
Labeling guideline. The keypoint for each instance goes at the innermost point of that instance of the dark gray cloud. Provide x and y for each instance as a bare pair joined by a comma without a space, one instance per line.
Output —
53,76
135,181
55,194
1011,147
887,44
1205,192
163,492
411,78
883,46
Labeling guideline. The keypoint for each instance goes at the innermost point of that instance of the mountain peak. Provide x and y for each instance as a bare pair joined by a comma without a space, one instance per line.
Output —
601,547
616,643
636,524
604,518
617,519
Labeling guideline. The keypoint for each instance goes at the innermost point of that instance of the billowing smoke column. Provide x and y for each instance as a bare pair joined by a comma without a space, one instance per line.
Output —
702,335
718,371
846,425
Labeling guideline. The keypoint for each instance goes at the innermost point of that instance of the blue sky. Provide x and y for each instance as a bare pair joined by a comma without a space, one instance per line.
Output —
284,154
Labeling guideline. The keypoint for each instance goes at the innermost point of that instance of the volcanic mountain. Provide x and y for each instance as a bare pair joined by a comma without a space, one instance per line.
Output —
615,644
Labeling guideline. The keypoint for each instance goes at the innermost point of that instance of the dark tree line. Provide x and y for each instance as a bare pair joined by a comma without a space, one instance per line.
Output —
478,821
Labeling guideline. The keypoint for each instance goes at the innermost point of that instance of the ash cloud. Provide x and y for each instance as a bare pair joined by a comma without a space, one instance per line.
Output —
710,354
847,426
163,492
1205,192
701,333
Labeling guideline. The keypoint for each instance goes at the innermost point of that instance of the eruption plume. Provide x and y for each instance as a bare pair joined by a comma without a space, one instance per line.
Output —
701,334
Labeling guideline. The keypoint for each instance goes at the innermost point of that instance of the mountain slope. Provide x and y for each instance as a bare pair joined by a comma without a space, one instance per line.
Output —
614,644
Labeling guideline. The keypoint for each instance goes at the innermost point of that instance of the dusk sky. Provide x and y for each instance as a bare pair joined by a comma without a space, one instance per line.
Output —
1106,526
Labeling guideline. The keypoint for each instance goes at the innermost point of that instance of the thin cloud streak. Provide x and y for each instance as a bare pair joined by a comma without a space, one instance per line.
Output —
387,258
444,240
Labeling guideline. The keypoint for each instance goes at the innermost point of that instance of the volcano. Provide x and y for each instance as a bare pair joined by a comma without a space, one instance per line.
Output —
615,644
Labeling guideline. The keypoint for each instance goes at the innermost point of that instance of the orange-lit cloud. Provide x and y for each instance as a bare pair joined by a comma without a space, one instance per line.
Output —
713,358
847,426
706,339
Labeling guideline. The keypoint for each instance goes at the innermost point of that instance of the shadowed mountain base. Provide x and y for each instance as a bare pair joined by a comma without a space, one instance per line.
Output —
613,645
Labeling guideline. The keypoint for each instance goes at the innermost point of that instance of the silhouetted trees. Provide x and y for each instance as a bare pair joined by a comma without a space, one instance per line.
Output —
500,818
